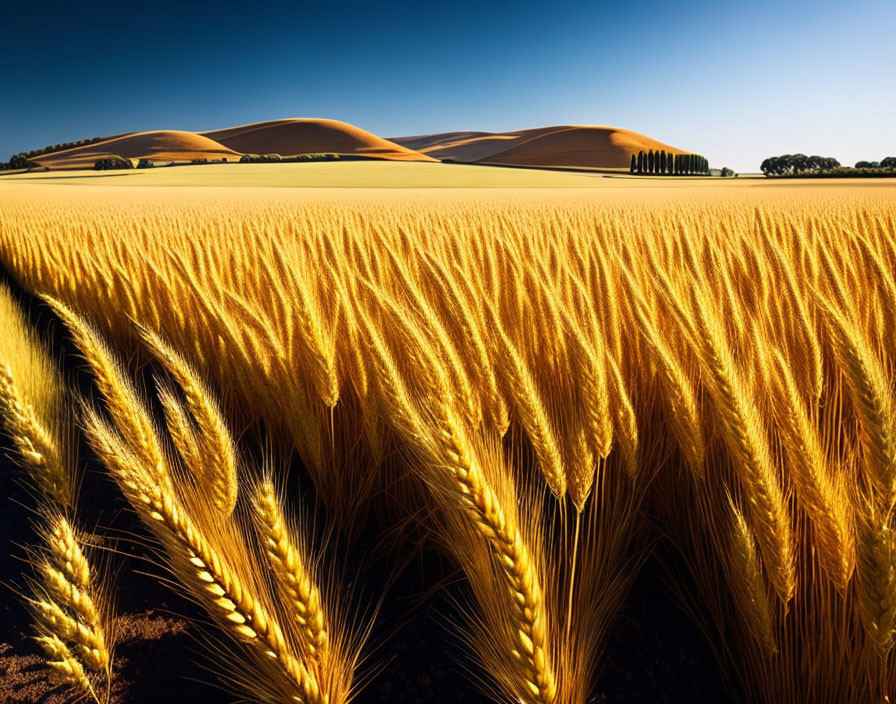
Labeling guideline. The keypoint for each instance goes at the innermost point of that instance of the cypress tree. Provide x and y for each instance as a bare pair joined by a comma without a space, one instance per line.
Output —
640,162
631,169
651,159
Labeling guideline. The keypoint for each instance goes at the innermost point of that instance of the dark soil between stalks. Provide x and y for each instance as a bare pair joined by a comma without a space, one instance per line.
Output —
654,654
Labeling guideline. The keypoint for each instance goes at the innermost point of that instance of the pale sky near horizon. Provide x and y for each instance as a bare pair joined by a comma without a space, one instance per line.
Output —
735,81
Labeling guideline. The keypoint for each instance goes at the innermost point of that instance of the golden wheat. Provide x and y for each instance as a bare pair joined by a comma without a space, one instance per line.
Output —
71,621
291,572
735,340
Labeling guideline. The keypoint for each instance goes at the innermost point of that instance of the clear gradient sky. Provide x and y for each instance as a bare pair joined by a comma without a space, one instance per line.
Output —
735,81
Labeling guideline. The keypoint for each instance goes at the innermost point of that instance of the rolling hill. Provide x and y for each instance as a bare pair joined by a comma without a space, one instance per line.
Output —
560,146
160,145
564,145
306,136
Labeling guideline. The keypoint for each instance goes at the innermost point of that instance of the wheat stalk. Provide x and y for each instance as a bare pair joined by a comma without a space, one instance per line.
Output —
456,473
876,578
626,423
65,666
589,362
202,570
745,438
747,582
291,572
138,467
65,599
871,392
125,407
826,505
38,449
215,462
684,413
527,402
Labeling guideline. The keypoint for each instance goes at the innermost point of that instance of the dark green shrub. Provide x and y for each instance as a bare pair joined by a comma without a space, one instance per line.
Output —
113,162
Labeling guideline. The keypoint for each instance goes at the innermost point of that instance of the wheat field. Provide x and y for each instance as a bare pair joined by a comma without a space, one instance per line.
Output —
556,386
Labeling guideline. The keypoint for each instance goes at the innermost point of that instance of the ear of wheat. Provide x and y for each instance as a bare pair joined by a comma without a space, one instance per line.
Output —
291,572
746,440
215,462
822,496
71,612
748,582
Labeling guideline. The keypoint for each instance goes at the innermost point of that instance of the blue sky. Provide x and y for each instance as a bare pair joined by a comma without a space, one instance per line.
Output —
735,81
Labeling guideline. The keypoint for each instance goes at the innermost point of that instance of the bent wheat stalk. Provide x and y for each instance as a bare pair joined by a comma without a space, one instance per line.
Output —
745,573
455,472
745,438
38,451
72,623
203,558
215,463
201,568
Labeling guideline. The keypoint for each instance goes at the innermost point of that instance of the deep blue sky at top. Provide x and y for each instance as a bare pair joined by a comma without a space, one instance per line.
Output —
736,81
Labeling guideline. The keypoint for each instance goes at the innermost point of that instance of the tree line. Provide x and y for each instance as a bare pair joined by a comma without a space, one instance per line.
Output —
666,163
274,158
113,161
888,162
802,165
66,145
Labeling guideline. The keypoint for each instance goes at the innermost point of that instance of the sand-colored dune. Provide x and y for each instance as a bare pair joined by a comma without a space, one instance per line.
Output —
158,145
306,136
571,145
565,145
